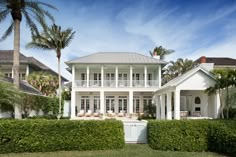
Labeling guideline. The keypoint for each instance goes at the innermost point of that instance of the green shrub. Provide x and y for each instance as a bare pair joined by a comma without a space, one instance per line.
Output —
55,135
193,135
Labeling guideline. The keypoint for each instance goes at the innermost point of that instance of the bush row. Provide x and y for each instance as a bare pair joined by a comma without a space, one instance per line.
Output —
193,135
54,135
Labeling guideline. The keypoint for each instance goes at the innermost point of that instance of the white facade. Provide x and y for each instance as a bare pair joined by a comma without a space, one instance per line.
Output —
185,97
108,88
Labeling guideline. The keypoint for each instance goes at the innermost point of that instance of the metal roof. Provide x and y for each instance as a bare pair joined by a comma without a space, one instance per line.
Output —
224,61
116,58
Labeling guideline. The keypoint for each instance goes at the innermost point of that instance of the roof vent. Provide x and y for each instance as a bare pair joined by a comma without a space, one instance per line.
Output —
203,59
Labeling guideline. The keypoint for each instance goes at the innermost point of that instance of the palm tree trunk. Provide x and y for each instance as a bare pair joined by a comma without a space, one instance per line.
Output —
16,64
59,81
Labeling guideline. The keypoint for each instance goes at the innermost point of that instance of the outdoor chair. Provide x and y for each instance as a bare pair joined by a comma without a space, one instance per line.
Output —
88,114
81,113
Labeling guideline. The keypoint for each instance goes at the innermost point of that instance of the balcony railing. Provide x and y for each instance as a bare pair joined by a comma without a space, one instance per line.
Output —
112,83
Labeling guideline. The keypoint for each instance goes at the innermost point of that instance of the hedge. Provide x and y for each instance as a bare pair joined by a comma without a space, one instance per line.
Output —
193,135
55,135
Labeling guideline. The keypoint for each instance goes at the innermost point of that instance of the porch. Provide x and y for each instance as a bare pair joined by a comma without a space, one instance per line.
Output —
100,105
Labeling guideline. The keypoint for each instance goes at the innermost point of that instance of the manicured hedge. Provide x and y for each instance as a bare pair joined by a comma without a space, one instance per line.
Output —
55,135
193,135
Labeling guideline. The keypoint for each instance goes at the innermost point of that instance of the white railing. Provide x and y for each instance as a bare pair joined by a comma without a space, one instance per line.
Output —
112,83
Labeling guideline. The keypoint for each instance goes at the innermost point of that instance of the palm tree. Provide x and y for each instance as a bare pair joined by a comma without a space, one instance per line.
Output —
33,12
160,51
53,38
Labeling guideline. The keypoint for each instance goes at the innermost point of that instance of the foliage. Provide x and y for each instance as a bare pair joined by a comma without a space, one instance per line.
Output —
44,82
177,68
149,111
66,94
53,38
193,135
9,96
37,103
54,135
160,51
224,85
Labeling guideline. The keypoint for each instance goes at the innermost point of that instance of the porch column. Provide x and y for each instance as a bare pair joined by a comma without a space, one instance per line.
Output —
102,76
12,73
87,76
159,76
116,76
27,71
131,76
158,104
102,102
72,105
217,105
131,94
177,105
145,76
163,101
168,106
73,76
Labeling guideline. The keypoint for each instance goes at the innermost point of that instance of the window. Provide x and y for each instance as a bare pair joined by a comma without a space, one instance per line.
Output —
136,103
123,103
85,103
197,109
197,100
96,103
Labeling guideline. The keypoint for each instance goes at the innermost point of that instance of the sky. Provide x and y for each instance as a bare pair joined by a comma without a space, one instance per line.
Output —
193,28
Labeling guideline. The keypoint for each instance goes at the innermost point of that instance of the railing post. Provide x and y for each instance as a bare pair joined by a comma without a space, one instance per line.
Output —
145,76
131,76
102,76
87,76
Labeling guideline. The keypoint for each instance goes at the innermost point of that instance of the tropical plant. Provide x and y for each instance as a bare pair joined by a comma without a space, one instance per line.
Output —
160,51
44,82
9,96
53,38
177,68
33,12
224,83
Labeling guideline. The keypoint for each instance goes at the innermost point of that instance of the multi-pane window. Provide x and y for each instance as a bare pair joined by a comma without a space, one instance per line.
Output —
110,103
96,103
85,103
122,103
136,104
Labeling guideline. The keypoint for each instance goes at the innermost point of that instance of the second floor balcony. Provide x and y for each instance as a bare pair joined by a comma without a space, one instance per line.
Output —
116,84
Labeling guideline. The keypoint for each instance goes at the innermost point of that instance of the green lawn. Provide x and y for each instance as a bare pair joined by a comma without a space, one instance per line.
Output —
131,150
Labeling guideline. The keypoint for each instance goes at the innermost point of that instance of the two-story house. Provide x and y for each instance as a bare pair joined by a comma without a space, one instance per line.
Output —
116,83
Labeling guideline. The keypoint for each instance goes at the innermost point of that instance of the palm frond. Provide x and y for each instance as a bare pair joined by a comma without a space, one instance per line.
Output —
8,31
3,14
37,46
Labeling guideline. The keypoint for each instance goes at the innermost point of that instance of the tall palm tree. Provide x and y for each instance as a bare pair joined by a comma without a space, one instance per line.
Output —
53,38
32,11
160,51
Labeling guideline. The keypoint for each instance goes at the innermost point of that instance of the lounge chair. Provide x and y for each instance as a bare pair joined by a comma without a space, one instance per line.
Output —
121,114
110,113
81,113
97,113
88,114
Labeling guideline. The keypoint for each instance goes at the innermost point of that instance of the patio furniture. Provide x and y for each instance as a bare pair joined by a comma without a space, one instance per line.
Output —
97,113
183,113
111,113
196,114
88,114
81,113
121,114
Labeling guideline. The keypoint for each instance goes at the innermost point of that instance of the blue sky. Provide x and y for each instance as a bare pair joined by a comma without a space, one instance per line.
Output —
191,27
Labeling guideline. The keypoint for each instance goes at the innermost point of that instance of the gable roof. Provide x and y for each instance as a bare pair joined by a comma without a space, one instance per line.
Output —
176,81
219,61
6,56
116,58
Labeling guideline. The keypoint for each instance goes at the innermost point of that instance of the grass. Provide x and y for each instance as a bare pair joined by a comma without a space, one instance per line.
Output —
130,150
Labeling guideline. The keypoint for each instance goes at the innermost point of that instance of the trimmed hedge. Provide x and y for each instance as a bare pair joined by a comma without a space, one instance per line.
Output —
55,135
193,135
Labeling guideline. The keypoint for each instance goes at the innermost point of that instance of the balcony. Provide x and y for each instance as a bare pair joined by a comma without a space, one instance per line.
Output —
112,83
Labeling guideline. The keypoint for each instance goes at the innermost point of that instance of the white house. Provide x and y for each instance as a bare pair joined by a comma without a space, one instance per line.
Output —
113,83
185,97
119,84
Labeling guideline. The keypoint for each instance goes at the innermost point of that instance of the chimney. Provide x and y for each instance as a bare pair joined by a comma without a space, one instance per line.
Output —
155,55
203,59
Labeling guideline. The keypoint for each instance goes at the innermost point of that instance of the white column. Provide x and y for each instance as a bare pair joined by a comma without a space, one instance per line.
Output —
131,95
102,76
72,105
158,104
87,76
131,76
102,102
159,76
12,73
145,76
217,105
168,106
163,101
177,104
116,76
27,71
73,76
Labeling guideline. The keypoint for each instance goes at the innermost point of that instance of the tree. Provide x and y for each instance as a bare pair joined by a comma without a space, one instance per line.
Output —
44,82
177,68
225,82
160,51
53,38
33,12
